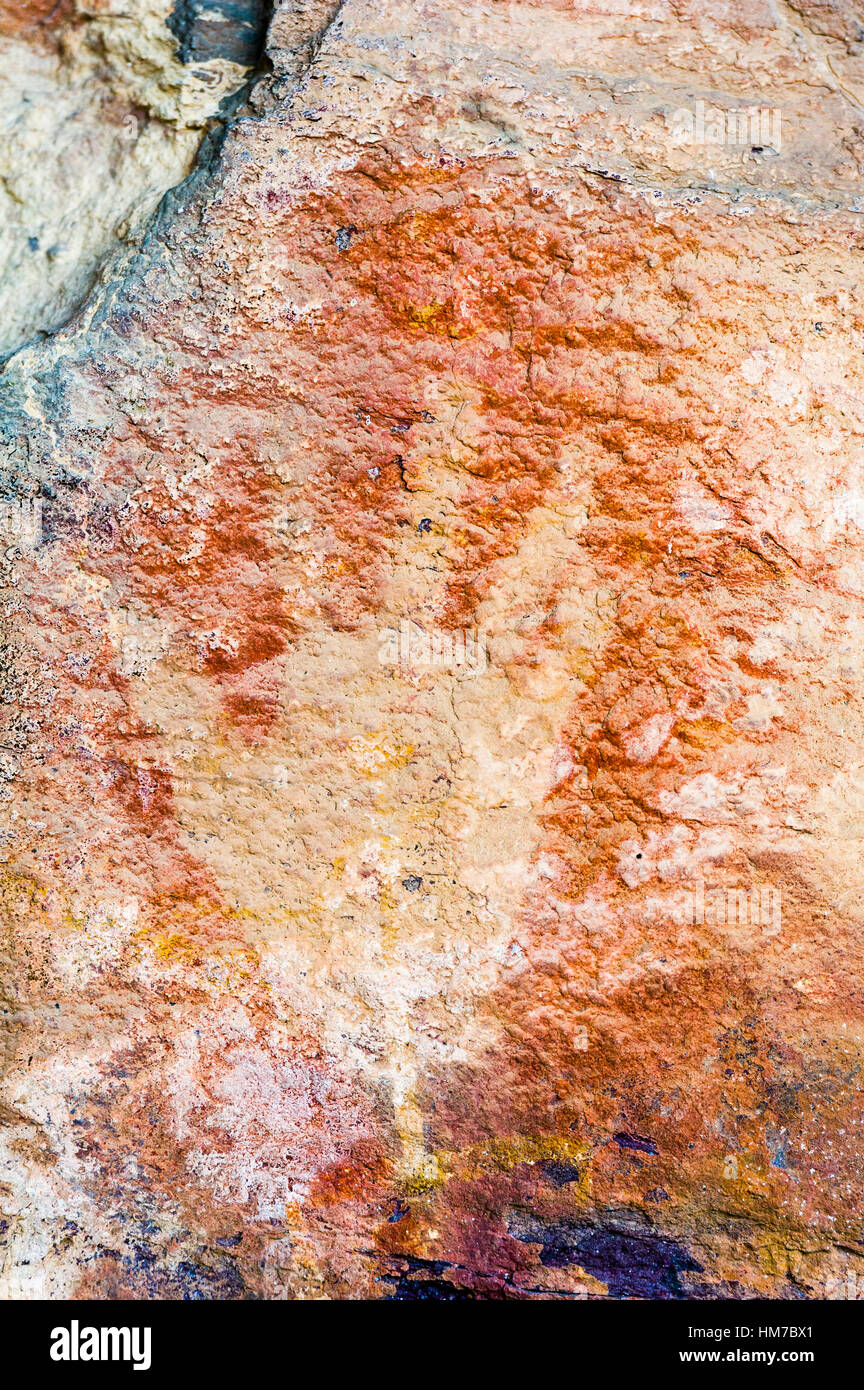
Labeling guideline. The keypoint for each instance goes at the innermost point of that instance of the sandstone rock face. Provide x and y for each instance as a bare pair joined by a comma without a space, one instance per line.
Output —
103,106
432,625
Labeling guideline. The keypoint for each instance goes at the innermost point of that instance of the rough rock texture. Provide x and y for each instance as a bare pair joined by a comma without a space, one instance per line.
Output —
328,976
103,104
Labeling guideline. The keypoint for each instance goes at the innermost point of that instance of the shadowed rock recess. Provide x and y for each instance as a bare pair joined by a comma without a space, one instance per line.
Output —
432,625
231,29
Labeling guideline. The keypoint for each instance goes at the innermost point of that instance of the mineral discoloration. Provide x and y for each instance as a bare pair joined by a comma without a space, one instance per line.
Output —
326,977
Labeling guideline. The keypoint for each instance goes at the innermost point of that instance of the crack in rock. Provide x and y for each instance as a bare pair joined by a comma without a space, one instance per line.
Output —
105,119
208,29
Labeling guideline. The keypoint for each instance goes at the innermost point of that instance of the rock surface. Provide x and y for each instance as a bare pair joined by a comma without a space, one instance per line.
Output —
103,105
338,961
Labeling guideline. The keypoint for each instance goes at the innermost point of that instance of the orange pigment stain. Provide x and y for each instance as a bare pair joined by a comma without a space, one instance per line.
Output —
26,18
461,276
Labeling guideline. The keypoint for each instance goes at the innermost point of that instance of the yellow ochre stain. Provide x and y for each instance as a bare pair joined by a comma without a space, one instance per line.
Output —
499,1156
374,753
426,314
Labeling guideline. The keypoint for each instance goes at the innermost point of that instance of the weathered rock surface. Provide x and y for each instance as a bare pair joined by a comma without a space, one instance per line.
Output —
332,974
103,105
